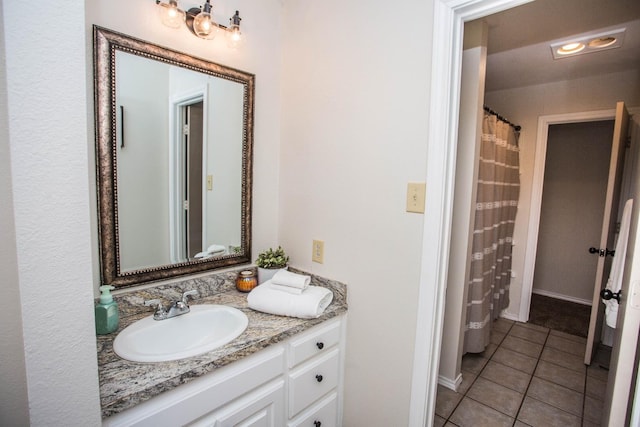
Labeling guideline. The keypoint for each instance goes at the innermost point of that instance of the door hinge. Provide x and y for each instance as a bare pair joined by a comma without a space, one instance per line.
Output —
185,129
185,205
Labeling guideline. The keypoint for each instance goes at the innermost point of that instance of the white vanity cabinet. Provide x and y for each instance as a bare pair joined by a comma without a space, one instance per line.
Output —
297,382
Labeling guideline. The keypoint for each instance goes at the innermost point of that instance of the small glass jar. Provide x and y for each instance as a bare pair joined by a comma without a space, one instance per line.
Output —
246,281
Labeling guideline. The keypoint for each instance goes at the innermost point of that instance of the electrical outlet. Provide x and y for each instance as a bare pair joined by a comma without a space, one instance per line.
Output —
416,196
317,252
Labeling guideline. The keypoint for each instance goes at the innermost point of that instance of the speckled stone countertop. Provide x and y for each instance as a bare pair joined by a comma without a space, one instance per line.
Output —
124,384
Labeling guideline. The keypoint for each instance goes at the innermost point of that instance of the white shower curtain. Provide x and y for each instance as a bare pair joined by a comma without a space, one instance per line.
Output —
496,205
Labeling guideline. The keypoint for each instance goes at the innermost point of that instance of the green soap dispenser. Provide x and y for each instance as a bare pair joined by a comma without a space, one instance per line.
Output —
106,312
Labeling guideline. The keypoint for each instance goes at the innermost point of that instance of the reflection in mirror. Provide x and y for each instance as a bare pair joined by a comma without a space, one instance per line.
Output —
174,139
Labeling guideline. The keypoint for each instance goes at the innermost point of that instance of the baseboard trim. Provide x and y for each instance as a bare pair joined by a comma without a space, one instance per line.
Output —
562,297
449,383
510,316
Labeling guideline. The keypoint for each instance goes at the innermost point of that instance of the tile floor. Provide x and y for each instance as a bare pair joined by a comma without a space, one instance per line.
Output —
528,376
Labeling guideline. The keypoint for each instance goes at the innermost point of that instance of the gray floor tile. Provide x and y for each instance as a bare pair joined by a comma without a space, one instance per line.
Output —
563,359
496,337
596,388
520,424
566,345
473,363
474,414
534,327
528,334
515,360
488,352
560,375
538,414
438,421
467,379
446,401
596,371
592,409
522,346
556,396
495,396
506,376
574,338
502,325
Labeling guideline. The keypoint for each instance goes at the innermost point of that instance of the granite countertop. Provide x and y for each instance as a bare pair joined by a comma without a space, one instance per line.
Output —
124,384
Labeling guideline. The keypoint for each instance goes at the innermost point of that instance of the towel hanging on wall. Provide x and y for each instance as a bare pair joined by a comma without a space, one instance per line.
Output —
614,283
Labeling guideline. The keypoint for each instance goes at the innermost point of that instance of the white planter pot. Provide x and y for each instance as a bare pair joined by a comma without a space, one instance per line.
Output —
265,274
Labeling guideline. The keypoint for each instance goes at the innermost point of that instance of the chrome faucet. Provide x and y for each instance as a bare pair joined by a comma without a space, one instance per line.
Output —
177,308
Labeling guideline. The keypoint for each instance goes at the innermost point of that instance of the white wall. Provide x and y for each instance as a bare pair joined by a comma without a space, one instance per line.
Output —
523,106
48,99
143,203
355,108
14,404
261,22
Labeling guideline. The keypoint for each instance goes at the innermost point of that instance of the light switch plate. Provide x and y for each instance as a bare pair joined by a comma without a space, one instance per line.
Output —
416,192
209,182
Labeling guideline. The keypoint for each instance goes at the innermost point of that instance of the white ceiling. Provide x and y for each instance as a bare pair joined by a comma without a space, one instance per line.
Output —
519,39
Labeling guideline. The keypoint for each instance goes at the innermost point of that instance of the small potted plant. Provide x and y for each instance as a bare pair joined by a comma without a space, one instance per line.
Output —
269,262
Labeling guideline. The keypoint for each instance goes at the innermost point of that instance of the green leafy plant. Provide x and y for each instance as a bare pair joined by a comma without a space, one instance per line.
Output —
272,258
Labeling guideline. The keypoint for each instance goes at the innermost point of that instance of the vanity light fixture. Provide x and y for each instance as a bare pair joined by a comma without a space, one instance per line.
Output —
200,22
588,43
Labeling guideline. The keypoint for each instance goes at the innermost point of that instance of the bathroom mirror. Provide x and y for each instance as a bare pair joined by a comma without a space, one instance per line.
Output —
174,138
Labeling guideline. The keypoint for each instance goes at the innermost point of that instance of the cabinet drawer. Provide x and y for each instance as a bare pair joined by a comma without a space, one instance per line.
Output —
312,381
323,414
316,341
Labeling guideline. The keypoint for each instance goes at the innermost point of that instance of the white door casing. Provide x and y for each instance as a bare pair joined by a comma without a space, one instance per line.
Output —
446,64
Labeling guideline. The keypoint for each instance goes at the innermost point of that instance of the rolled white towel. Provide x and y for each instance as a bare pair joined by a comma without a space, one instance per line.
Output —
292,280
307,305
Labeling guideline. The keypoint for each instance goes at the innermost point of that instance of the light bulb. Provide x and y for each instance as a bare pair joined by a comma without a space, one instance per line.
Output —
235,39
203,26
171,15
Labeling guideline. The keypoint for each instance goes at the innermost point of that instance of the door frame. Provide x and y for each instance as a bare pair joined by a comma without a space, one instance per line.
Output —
177,229
531,245
448,20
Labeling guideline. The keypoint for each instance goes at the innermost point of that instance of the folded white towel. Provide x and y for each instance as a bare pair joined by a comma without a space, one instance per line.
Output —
308,305
211,251
288,289
284,278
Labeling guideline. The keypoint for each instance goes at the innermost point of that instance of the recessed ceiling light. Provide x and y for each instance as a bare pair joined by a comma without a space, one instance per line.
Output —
600,42
570,48
594,41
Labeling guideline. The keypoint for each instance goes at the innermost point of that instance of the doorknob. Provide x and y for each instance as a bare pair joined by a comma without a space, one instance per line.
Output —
607,294
601,252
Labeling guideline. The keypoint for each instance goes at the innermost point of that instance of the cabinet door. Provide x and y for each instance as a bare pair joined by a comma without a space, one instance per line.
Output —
263,407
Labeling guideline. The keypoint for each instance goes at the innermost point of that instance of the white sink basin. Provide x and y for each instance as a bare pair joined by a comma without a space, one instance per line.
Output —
205,328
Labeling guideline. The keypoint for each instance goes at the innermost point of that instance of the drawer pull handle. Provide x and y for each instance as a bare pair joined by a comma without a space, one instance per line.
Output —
317,423
319,378
320,345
